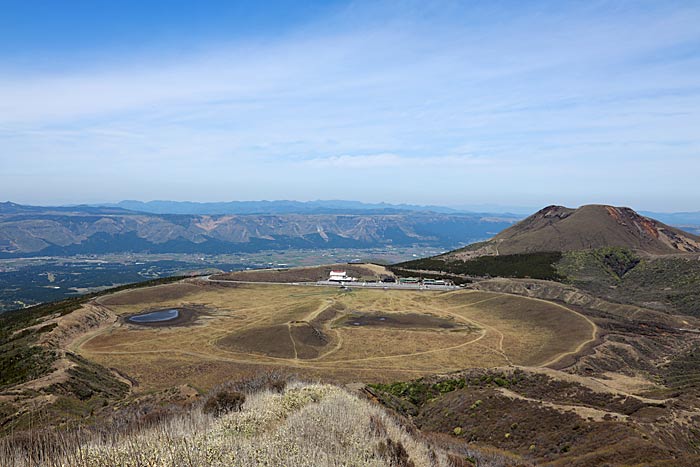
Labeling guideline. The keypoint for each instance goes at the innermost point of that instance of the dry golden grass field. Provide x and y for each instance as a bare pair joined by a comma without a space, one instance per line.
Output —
232,331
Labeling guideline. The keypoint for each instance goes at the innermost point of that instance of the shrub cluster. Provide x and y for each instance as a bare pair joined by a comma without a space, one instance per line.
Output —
418,392
527,265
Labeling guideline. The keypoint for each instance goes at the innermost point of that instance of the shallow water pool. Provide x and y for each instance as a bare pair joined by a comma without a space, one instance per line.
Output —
155,316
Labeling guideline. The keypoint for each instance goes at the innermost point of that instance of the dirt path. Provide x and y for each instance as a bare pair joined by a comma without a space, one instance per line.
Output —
78,341
263,360
582,411
488,341
321,308
291,338
594,384
580,347
412,354
339,344
336,347
500,350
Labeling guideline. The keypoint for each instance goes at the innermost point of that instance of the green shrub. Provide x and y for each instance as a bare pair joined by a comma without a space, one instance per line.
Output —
449,385
419,392
23,362
527,265
501,382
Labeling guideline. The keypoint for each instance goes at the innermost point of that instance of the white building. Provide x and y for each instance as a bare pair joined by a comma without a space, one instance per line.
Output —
340,276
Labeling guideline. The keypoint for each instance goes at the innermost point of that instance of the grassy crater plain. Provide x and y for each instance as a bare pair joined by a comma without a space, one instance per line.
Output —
327,333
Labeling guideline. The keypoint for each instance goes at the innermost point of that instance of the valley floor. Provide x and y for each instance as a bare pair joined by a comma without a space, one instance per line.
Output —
240,329
518,372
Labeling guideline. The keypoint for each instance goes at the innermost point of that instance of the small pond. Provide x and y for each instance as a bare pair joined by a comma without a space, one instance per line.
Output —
155,316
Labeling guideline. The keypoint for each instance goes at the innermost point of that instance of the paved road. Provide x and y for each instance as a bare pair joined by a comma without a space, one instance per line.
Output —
364,285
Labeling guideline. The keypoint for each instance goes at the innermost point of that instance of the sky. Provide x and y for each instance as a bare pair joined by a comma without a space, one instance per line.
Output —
447,103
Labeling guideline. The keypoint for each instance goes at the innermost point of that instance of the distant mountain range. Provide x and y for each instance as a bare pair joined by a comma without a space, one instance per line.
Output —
686,219
273,207
249,226
60,231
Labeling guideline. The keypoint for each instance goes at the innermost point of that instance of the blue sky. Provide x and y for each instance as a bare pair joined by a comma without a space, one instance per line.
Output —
452,103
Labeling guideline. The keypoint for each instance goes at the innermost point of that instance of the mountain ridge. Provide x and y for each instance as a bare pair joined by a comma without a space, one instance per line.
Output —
271,207
58,231
561,229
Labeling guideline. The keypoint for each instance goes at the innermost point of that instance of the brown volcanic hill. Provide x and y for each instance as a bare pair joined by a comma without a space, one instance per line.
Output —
557,228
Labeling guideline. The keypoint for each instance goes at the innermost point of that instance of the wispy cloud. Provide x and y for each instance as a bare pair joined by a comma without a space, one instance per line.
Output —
503,97
373,161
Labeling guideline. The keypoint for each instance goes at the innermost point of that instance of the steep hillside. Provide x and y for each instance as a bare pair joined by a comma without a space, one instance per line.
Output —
298,424
26,230
667,283
40,373
556,228
596,247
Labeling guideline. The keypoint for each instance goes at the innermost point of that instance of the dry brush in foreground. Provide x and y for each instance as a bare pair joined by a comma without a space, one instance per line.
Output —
301,425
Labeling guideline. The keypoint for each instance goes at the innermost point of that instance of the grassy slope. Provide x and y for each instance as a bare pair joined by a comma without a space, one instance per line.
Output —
545,420
669,284
303,425
22,359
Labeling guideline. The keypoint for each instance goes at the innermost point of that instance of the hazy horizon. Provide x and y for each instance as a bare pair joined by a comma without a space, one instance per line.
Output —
452,103
477,208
